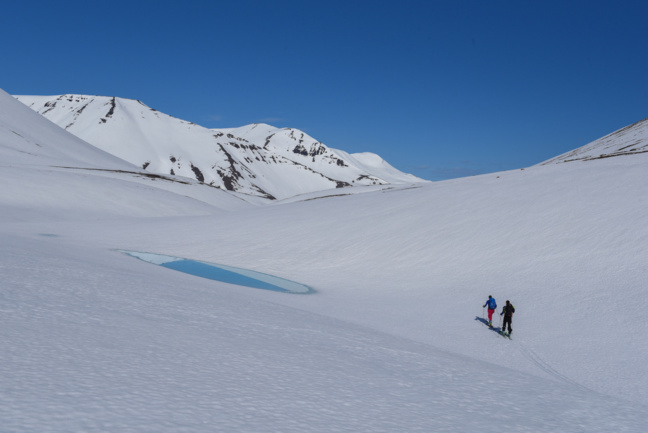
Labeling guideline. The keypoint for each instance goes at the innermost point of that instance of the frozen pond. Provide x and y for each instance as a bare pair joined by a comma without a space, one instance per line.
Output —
226,274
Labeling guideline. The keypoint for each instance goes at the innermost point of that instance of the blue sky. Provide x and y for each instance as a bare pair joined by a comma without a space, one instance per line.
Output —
440,89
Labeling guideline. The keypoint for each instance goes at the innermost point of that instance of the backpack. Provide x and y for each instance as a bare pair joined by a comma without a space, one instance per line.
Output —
492,304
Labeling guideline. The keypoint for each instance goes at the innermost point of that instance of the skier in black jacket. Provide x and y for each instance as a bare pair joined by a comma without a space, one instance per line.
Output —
507,312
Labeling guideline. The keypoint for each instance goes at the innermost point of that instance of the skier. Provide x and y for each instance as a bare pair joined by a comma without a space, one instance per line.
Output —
507,312
492,305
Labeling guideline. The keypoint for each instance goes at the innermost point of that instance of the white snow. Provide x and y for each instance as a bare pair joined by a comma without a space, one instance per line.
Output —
93,340
257,160
631,140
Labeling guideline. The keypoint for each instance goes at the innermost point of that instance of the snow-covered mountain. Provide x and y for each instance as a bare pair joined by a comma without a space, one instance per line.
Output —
257,159
631,140
33,149
393,338
33,140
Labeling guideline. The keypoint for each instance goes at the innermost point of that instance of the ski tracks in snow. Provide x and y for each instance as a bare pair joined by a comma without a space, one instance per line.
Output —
544,366
536,359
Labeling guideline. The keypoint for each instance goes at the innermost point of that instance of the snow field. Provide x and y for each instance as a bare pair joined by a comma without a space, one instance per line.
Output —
97,341
93,340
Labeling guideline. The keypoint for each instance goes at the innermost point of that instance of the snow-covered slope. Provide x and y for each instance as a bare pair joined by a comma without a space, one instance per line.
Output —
392,341
256,159
631,140
33,151
34,140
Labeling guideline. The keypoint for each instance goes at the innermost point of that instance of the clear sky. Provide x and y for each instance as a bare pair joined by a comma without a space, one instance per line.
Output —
440,89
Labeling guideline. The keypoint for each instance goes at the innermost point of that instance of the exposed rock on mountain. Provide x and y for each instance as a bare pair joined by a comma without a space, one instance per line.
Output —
257,159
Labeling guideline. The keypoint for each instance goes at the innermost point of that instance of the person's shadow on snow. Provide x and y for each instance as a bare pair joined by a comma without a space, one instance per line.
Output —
485,322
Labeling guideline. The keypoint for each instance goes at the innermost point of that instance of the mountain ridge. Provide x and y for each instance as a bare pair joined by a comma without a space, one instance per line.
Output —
257,159
629,140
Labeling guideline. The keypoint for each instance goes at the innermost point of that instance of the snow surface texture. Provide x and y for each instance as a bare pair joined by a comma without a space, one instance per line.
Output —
631,140
257,160
93,340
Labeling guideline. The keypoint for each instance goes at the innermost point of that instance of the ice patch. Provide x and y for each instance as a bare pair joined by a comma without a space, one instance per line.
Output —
226,274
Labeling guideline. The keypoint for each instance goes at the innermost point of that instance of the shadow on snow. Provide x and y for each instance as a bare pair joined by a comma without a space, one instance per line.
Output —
485,323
